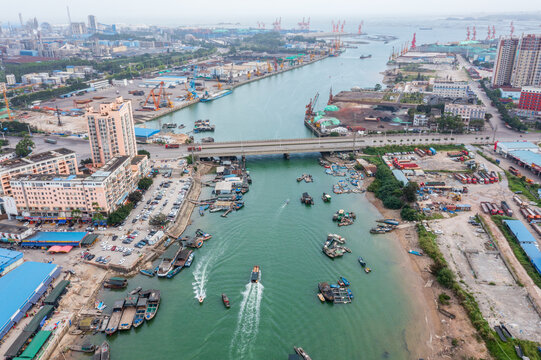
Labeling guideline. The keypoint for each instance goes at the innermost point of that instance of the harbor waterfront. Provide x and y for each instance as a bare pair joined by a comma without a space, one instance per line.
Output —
266,319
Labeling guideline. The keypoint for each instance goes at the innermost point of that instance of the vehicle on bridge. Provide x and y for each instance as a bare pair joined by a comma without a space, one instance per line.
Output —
194,148
172,146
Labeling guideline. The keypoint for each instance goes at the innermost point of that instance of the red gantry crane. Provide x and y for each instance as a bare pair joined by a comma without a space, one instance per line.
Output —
158,97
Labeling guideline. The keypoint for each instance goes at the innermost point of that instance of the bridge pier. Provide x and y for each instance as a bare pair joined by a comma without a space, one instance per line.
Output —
286,156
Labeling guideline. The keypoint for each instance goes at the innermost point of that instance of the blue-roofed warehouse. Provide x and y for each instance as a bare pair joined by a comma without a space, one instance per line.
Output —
47,239
25,285
143,134
526,241
527,159
9,260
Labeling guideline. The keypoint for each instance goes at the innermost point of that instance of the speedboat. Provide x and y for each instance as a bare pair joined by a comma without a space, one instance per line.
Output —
361,261
225,300
256,274
367,270
201,298
321,297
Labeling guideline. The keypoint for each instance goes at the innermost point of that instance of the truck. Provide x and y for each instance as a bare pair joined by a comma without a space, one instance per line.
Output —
172,146
51,141
194,148
506,209
514,171
136,92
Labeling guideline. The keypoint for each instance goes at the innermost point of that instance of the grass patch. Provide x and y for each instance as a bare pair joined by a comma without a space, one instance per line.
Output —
497,348
517,249
382,150
520,184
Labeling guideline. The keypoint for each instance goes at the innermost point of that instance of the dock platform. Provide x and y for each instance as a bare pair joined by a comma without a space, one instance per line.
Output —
341,296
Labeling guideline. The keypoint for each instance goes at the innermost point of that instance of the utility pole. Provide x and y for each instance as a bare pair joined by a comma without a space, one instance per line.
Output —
58,116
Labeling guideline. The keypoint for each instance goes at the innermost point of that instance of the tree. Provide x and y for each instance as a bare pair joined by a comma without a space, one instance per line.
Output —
410,191
377,87
158,220
76,214
24,147
143,152
488,116
408,214
86,161
145,183
135,197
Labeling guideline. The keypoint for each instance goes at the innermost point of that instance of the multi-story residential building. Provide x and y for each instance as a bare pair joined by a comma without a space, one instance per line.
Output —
527,68
59,161
92,24
111,130
505,59
78,28
530,101
56,197
10,79
451,89
518,62
420,120
466,112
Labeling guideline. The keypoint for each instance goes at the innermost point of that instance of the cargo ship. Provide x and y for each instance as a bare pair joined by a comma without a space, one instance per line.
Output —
256,274
220,94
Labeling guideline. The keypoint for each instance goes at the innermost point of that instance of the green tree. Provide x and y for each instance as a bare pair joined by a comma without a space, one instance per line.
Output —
158,220
145,183
135,197
76,215
410,191
409,214
377,87
143,152
24,146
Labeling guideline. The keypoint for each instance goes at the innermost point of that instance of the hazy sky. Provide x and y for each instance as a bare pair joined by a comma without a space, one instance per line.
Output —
196,11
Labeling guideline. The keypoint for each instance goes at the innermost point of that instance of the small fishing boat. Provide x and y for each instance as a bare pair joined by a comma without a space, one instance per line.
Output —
307,199
136,290
189,261
350,293
326,197
225,300
173,272
202,235
86,348
140,311
367,270
114,321
365,56
321,297
115,283
104,350
104,324
413,252
256,274
299,351
201,299
334,286
146,272
361,261
152,304
344,281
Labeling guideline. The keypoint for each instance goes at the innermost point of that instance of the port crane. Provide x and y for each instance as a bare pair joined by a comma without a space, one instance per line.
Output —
277,25
312,105
192,94
360,31
159,97
304,25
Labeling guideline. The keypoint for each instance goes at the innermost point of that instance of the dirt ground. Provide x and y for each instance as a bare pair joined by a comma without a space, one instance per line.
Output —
49,122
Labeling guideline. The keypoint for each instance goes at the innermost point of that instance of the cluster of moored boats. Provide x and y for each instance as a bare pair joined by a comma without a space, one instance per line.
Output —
336,293
333,246
344,218
306,177
137,307
203,126
384,226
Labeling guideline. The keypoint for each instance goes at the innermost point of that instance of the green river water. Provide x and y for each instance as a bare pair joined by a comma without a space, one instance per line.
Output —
265,321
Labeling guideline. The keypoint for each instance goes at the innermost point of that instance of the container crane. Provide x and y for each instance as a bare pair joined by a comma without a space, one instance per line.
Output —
468,33
277,25
512,29
493,32
360,31
159,97
342,28
474,34
3,89
413,42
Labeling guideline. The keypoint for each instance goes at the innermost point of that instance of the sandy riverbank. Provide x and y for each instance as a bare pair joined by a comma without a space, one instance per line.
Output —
434,340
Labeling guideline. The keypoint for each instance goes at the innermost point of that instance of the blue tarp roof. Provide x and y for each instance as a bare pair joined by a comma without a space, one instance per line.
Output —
21,285
520,231
527,242
54,238
517,145
527,157
144,132
8,257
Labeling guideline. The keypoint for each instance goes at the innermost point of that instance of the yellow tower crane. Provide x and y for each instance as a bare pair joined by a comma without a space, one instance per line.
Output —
3,89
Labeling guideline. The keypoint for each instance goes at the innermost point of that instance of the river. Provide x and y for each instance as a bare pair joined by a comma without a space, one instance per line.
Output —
265,321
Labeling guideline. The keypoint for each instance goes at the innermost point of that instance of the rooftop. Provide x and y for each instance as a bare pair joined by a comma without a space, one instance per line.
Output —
144,132
33,159
12,229
21,284
518,145
527,157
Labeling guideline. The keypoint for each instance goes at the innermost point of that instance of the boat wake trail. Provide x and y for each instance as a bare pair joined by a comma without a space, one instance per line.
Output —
200,279
285,204
202,271
248,321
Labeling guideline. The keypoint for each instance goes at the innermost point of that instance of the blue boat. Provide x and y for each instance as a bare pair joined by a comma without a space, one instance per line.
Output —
334,286
361,261
146,272
354,182
218,95
173,272
344,281
350,294
413,252
189,260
